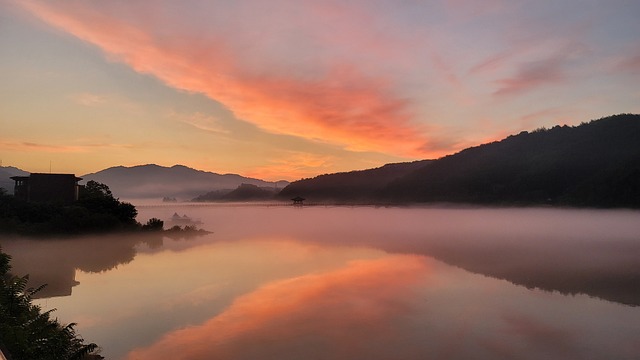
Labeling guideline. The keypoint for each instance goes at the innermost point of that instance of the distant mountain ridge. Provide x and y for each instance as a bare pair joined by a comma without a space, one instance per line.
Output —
244,193
6,172
184,183
595,164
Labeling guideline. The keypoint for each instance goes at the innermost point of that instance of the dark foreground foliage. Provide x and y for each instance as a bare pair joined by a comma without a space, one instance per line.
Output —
26,332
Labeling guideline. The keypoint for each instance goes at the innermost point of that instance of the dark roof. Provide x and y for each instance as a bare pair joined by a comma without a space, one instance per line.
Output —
44,175
298,198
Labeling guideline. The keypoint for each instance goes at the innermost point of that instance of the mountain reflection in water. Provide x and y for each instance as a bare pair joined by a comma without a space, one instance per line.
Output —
346,283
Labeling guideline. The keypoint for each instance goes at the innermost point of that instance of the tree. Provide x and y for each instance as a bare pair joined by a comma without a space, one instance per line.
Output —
94,189
154,224
97,198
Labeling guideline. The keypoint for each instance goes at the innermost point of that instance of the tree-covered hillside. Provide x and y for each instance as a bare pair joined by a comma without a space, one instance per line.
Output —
351,186
594,164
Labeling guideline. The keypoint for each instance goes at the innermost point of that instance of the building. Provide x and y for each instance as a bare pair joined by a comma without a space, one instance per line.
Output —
298,200
59,188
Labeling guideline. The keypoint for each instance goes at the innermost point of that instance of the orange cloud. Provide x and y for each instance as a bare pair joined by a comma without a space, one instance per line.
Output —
340,314
334,101
55,148
295,166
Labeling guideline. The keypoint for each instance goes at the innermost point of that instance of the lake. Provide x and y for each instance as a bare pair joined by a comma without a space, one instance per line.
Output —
316,282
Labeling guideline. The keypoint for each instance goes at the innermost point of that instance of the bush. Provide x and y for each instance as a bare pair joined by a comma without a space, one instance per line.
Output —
154,224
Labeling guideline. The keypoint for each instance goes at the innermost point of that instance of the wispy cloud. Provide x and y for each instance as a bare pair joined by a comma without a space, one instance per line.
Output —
57,148
89,99
332,100
200,121
532,75
630,64
554,68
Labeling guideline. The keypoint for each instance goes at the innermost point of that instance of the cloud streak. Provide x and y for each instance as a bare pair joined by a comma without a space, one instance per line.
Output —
330,100
56,148
200,121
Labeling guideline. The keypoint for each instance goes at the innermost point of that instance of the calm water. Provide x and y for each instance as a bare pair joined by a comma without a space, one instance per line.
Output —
353,283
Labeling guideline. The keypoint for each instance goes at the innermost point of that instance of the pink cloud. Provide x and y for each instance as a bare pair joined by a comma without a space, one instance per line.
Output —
532,75
332,98
630,64
341,314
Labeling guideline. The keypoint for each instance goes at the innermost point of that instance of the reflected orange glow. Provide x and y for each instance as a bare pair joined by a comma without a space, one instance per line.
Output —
346,311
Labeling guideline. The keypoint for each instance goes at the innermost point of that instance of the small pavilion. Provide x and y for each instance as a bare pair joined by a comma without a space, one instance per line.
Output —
298,200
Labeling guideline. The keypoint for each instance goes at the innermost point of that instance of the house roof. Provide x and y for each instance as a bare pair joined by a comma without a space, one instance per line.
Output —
45,175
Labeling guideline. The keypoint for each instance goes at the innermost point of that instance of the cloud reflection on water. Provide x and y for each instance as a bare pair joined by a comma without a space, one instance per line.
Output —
341,314
216,284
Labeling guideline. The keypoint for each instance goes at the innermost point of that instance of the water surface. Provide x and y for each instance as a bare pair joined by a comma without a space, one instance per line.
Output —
352,283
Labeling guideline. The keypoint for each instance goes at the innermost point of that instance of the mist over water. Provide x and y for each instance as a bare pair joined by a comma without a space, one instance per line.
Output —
352,282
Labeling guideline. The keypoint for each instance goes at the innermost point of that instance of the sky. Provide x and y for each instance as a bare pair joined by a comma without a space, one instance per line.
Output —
286,89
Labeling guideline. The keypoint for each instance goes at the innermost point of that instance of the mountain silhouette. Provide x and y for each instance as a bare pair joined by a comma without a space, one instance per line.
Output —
595,164
6,172
154,181
353,186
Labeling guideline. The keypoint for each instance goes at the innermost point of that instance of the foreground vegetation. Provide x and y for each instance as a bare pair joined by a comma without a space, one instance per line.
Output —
30,334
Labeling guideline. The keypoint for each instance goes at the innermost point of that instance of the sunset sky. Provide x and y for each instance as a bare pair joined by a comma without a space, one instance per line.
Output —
284,89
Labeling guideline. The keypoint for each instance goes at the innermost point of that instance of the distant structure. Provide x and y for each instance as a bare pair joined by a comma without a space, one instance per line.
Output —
60,188
183,220
298,200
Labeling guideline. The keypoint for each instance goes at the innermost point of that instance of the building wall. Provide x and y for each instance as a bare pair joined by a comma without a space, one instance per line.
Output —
60,188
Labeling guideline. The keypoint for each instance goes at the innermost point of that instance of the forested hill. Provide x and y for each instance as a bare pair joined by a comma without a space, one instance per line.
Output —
354,186
154,181
593,164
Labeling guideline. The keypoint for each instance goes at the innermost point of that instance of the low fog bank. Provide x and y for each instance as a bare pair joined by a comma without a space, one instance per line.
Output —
594,252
